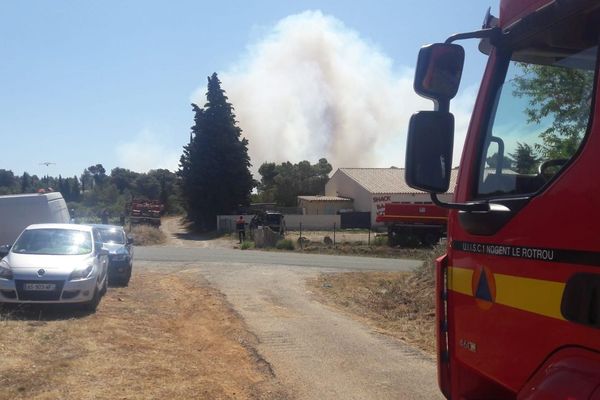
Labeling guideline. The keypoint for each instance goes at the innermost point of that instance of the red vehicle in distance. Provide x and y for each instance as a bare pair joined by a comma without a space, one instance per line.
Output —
413,224
145,212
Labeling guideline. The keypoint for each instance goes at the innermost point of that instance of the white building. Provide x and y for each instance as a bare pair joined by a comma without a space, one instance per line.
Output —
371,188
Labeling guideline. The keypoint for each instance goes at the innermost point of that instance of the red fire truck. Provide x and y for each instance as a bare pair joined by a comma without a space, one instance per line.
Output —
143,211
408,223
518,292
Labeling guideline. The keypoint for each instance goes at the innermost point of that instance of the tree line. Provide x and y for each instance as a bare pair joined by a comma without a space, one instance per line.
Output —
95,190
213,177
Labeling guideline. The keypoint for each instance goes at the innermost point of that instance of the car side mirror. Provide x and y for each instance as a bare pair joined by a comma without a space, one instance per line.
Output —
439,69
429,151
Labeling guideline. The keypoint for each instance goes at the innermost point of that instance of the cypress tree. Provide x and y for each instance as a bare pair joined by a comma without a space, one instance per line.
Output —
215,166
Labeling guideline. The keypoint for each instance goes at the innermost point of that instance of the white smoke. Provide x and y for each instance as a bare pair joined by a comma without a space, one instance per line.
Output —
313,88
146,151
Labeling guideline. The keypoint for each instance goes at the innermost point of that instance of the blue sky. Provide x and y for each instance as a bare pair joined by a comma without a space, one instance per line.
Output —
111,82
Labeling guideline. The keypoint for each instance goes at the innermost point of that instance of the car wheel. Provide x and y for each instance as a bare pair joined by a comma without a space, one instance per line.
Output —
92,305
125,280
104,286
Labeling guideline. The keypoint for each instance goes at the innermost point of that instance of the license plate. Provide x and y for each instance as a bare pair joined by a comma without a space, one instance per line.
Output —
39,286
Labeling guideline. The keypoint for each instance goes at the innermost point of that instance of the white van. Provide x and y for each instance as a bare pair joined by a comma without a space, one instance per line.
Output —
21,210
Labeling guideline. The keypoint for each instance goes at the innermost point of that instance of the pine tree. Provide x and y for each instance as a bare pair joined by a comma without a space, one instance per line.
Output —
75,189
64,188
26,183
215,166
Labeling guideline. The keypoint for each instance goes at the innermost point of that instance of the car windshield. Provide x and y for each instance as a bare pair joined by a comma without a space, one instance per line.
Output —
112,235
53,242
273,218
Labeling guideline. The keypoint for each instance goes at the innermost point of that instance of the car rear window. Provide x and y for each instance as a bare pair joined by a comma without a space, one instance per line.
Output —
112,236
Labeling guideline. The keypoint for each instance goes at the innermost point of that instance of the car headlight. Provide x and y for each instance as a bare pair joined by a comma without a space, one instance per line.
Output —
120,254
81,273
5,270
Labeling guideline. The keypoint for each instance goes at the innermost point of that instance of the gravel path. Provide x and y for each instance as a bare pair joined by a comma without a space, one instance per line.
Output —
314,351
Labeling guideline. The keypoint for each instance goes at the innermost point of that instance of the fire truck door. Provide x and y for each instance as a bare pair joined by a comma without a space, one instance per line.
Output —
538,169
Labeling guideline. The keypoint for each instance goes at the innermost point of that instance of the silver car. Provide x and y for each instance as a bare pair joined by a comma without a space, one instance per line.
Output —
55,263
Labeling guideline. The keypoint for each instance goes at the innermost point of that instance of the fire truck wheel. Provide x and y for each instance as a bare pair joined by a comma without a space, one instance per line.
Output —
392,238
430,239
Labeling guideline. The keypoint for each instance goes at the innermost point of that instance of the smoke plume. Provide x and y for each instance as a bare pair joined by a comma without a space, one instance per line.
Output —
313,88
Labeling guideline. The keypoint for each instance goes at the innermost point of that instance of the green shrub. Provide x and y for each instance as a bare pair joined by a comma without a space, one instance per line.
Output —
285,244
246,245
380,241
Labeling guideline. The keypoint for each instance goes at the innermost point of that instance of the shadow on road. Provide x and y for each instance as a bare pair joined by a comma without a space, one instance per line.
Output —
196,236
183,233
42,312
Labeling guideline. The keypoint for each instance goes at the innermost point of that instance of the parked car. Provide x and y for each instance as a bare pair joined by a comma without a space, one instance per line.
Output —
55,263
120,249
272,219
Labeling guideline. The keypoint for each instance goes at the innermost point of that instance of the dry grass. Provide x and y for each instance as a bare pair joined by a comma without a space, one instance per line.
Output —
165,336
398,303
361,249
352,243
146,235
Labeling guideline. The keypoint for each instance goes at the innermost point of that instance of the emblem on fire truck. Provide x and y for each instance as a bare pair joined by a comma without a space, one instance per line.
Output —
483,285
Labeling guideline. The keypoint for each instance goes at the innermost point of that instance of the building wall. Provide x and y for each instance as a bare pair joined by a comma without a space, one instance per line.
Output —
322,207
342,185
312,222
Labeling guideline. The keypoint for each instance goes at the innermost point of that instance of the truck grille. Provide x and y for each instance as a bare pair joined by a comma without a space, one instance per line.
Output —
39,295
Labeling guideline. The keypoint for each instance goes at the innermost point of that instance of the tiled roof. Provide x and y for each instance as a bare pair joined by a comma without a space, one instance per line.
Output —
387,180
324,198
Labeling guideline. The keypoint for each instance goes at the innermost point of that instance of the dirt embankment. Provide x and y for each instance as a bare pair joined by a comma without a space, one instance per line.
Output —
164,336
394,303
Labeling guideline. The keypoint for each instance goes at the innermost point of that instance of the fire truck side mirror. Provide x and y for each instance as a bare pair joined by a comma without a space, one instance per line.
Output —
429,151
439,69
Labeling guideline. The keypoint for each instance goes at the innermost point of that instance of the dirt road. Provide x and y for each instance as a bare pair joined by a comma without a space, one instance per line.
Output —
314,351
178,236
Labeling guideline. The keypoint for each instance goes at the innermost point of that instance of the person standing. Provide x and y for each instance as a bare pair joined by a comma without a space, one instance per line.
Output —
240,226
104,216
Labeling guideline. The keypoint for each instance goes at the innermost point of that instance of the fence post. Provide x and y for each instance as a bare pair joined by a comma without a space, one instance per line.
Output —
334,234
369,240
301,244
